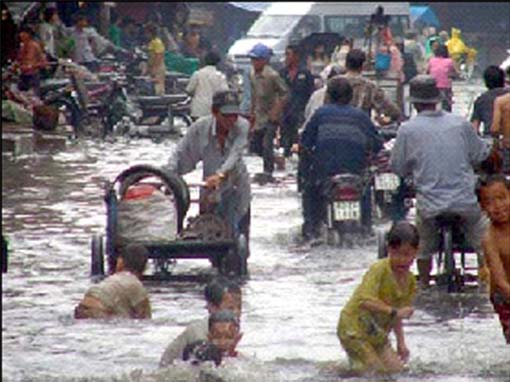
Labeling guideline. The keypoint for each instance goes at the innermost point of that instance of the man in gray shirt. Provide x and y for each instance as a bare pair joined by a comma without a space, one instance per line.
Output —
439,150
218,140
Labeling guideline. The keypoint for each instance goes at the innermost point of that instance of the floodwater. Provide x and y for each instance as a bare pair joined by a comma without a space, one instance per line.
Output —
53,204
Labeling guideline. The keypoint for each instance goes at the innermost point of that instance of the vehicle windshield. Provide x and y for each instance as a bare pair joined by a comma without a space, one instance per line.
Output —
354,26
273,25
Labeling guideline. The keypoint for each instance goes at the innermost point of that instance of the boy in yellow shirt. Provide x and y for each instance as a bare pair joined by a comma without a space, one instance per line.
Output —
379,304
156,63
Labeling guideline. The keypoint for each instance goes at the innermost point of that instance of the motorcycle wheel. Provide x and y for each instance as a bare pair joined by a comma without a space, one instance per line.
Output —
382,250
235,262
333,237
185,118
449,261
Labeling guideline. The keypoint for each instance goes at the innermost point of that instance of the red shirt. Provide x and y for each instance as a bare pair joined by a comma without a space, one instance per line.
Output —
31,57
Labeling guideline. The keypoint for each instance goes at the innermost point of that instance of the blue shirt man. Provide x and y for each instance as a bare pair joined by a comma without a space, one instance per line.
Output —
338,138
341,138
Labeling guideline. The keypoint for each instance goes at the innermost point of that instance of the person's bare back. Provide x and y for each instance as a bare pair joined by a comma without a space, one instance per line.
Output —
497,244
495,200
501,119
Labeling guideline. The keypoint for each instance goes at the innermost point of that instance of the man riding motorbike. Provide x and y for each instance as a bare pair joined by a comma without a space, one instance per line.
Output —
460,52
338,138
439,150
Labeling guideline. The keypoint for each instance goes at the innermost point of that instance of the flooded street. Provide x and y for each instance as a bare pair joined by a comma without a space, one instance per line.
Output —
53,204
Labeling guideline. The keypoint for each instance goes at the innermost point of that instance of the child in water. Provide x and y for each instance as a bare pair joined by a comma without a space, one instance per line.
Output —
494,197
224,332
379,304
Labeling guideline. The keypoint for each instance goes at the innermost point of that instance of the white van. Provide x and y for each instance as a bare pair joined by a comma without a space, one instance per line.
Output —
283,22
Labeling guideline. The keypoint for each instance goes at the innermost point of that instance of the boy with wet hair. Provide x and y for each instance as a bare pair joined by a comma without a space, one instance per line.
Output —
494,196
218,298
379,304
234,297
121,294
224,332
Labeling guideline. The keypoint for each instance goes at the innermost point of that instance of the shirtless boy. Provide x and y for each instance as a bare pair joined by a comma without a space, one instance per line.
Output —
495,200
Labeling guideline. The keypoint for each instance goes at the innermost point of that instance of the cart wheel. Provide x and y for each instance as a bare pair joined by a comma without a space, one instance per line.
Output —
97,256
235,262
382,250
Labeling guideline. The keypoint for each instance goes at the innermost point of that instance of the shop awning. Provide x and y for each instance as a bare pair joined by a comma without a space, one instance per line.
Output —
20,9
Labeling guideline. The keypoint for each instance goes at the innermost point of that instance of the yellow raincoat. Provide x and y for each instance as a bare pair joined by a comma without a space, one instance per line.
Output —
456,47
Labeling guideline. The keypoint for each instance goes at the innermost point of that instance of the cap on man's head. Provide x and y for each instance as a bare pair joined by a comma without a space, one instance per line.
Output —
423,89
227,102
260,51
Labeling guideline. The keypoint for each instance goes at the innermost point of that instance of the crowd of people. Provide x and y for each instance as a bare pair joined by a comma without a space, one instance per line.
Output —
329,124
82,43
438,148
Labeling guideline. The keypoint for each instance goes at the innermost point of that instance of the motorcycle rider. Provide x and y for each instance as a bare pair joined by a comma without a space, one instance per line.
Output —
494,78
338,138
439,150
366,94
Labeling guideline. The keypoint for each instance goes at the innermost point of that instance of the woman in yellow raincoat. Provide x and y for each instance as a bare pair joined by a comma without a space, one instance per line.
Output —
458,50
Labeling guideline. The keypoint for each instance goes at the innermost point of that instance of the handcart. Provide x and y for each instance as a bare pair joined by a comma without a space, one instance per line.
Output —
206,236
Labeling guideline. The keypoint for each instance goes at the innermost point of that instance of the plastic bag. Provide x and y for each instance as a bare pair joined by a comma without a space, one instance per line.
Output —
149,218
382,61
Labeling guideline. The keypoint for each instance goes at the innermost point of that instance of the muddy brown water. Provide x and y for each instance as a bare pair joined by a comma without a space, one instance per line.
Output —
51,206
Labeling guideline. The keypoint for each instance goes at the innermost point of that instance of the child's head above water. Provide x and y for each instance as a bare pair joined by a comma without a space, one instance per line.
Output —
494,198
224,330
223,294
403,240
403,232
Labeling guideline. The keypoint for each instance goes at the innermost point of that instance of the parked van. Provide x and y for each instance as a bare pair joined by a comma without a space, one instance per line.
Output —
285,22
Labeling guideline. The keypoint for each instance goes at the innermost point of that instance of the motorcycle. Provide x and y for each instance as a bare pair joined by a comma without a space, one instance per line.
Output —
386,184
344,195
450,275
466,64
91,109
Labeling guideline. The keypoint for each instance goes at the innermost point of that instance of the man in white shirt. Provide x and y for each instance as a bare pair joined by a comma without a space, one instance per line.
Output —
203,84
88,43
